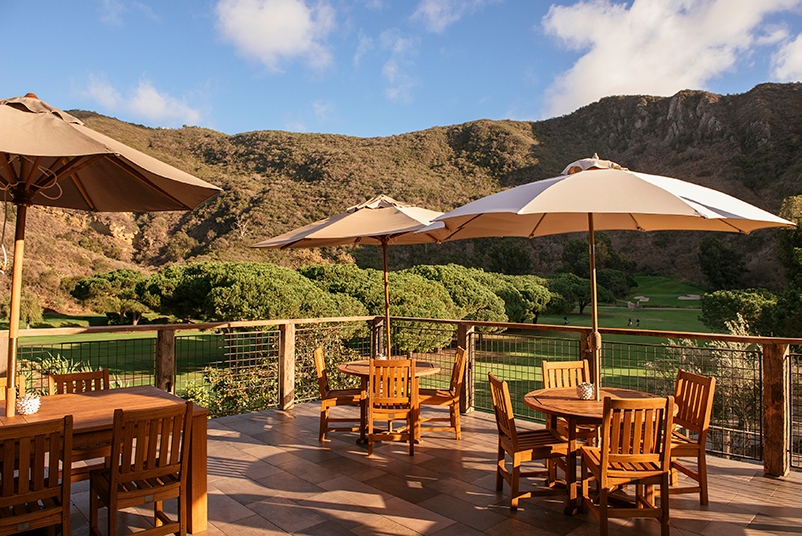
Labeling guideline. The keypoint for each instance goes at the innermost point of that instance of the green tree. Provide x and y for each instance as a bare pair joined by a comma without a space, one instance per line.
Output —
722,266
218,291
576,257
112,292
476,300
789,242
533,292
724,306
509,256
569,291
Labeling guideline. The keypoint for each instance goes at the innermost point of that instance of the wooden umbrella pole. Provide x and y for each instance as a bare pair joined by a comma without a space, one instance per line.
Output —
13,324
595,338
384,240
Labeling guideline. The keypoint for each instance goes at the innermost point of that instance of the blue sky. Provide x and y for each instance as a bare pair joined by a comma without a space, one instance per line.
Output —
382,67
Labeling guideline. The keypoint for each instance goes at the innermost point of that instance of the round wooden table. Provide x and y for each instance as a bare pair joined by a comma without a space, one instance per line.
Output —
565,403
362,369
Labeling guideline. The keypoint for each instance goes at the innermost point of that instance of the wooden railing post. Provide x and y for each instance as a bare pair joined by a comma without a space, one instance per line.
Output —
286,366
776,409
165,360
468,395
376,336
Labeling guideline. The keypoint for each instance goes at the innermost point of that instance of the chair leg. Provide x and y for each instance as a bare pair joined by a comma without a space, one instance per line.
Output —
665,529
499,469
324,421
701,466
604,525
455,420
515,481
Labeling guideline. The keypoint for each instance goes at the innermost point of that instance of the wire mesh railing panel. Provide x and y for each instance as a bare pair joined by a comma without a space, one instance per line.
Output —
129,361
516,359
796,409
238,370
341,343
736,420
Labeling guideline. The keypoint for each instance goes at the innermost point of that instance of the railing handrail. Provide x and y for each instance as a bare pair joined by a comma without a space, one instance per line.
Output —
145,328
200,326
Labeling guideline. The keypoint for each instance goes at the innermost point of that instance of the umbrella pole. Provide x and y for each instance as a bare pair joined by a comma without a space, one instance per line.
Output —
594,343
13,324
384,240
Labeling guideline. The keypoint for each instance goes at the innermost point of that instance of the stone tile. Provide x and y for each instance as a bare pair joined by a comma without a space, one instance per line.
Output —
287,514
471,515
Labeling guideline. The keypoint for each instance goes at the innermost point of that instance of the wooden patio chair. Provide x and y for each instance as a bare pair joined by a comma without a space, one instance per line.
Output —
78,382
694,398
635,450
335,397
150,457
522,447
559,374
392,395
34,493
446,397
83,382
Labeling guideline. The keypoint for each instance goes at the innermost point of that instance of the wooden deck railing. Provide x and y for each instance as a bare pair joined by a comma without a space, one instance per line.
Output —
775,367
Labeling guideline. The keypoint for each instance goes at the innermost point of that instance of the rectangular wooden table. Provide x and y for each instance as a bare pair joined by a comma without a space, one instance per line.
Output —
93,415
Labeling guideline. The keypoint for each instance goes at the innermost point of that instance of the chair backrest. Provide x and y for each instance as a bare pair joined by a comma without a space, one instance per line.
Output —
391,382
502,406
30,455
636,431
557,374
150,444
458,372
78,382
20,386
320,368
693,395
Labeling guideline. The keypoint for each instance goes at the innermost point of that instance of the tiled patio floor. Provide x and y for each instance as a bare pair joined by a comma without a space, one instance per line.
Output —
268,474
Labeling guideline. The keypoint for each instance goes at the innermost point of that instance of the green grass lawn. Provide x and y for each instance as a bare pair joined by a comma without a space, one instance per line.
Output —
664,291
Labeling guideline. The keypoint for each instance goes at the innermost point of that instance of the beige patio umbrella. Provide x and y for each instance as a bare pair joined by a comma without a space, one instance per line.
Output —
49,158
380,221
593,194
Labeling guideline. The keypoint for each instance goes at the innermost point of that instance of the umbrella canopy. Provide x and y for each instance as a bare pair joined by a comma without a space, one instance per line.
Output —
380,221
49,158
593,194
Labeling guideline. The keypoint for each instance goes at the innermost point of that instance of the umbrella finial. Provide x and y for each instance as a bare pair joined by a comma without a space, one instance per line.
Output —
31,96
591,163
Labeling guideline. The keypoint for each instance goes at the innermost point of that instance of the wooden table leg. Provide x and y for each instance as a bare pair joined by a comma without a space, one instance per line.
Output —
570,476
197,517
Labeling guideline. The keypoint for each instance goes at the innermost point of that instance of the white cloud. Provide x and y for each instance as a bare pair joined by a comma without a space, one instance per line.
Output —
323,109
397,70
101,91
276,31
436,15
365,46
654,47
111,11
787,62
159,107
144,102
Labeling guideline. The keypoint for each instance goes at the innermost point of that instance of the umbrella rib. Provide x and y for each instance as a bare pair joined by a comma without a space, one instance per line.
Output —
534,230
145,180
12,175
31,175
637,224
458,229
76,180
